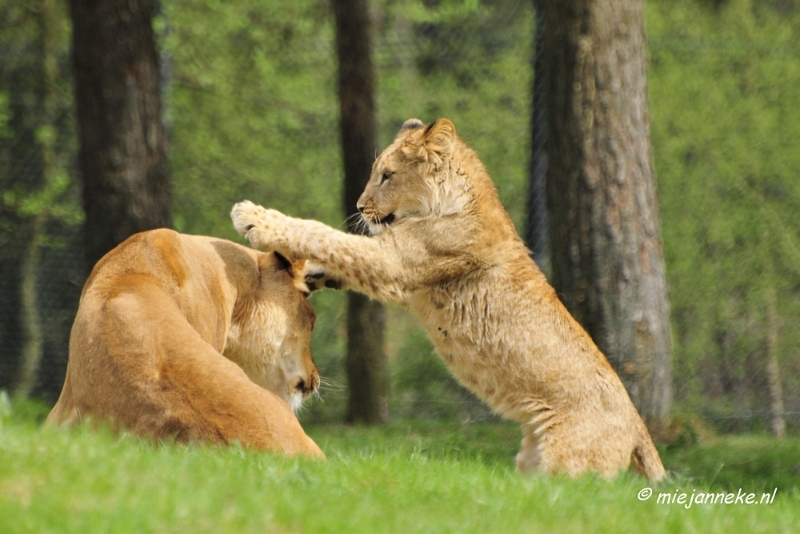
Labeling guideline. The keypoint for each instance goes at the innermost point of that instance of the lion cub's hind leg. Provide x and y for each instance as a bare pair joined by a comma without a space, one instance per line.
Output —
529,458
569,453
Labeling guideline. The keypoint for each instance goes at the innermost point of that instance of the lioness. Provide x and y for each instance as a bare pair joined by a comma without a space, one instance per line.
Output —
443,246
161,321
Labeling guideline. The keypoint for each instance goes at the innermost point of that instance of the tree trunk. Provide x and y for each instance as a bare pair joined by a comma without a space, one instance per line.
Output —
122,158
607,257
366,364
537,230
772,368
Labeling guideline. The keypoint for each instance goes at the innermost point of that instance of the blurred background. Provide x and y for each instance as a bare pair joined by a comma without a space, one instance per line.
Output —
249,96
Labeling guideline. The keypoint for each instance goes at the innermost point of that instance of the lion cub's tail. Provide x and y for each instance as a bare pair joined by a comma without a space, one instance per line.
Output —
645,459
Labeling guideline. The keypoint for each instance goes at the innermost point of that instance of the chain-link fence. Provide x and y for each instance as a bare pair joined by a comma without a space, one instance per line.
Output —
252,113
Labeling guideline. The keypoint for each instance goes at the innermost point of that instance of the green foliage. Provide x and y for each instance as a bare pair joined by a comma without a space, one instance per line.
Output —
52,200
5,407
23,412
253,108
252,112
469,62
5,116
37,141
423,388
411,477
253,115
725,110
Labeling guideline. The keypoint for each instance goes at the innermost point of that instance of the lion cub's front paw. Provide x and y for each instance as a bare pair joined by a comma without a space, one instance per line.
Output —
244,216
259,225
317,277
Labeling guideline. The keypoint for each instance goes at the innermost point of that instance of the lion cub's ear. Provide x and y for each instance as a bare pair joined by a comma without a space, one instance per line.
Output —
435,143
408,128
411,124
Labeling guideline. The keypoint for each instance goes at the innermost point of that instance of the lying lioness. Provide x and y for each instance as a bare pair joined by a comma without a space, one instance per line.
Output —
194,338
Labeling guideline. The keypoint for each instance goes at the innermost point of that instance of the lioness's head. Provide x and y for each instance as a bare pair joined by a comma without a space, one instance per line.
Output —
413,176
270,334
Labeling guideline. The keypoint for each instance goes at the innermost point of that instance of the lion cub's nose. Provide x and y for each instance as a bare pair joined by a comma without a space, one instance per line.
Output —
361,207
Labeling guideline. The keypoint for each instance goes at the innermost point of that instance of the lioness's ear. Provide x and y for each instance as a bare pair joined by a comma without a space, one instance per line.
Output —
298,273
296,269
435,143
283,262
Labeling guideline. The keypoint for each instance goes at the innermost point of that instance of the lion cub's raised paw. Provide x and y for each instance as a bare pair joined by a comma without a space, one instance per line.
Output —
259,225
244,216
316,278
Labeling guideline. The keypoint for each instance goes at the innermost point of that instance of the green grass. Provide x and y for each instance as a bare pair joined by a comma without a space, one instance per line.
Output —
758,463
407,477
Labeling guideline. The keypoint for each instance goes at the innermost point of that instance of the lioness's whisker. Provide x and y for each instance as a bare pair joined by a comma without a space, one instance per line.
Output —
331,385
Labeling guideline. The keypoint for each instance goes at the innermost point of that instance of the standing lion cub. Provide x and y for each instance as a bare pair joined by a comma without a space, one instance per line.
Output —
443,246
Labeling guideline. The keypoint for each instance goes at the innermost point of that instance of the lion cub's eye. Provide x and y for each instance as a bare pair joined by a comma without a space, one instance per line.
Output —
386,175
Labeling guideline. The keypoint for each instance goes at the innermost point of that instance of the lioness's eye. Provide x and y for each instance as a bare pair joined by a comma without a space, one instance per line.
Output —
386,175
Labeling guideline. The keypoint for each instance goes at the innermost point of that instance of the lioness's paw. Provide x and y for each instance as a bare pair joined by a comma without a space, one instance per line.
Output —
316,278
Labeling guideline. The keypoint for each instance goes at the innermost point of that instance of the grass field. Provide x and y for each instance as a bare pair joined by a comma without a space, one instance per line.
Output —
407,477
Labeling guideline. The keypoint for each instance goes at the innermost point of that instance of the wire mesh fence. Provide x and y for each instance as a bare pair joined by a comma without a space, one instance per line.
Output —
252,114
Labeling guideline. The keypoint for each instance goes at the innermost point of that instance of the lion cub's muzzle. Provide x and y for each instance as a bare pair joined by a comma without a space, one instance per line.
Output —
389,219
373,215
375,221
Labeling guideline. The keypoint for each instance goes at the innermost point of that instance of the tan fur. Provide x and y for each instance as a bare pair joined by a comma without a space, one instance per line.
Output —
163,321
444,247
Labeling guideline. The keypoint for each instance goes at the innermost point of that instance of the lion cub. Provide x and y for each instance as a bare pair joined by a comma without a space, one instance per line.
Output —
443,246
